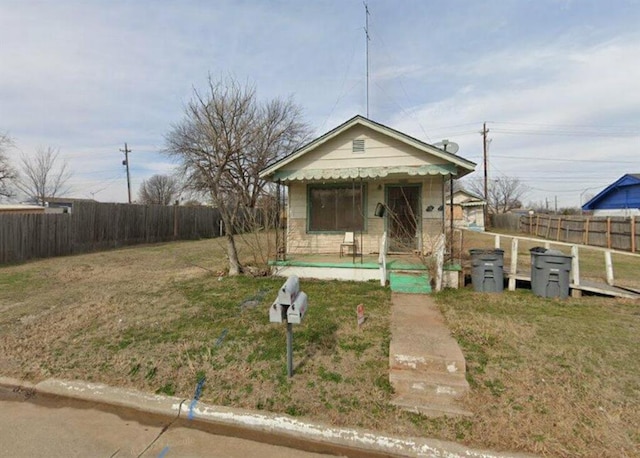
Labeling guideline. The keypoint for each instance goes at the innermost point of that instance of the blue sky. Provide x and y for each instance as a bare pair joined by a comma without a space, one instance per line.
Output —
558,82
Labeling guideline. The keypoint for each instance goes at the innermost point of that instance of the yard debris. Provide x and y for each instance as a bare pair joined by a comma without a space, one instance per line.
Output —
253,301
196,396
360,315
221,337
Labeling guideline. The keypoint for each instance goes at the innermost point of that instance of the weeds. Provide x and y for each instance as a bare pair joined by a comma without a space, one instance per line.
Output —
551,377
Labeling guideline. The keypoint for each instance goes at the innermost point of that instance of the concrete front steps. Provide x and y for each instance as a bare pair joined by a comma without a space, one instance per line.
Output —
426,365
429,393
410,282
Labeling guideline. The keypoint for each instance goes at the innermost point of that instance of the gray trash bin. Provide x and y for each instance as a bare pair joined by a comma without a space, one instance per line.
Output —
550,272
535,273
487,270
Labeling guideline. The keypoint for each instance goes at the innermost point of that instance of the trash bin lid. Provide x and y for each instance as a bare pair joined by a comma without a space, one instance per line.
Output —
473,251
538,249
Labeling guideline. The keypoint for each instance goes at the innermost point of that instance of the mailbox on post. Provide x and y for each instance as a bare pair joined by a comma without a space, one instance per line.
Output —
296,311
287,295
290,307
277,313
289,291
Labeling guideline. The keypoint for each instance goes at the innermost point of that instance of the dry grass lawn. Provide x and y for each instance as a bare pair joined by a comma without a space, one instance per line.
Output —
559,378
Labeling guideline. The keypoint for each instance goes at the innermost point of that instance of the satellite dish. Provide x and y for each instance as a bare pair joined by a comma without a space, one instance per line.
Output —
447,146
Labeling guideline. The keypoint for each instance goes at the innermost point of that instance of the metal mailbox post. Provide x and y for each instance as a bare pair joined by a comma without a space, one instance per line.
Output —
290,306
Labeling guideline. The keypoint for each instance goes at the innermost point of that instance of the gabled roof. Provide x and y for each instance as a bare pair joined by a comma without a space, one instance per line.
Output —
456,165
468,193
472,201
607,199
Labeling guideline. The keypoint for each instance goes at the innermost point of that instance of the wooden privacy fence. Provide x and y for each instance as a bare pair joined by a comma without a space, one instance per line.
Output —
507,221
93,226
614,232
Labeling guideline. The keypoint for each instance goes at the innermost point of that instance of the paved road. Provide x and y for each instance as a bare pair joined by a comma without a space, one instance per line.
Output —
44,429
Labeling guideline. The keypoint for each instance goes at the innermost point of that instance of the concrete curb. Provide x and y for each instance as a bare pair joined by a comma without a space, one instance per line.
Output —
270,428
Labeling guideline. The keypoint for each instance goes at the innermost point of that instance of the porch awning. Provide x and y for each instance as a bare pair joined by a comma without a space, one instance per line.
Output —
473,203
362,172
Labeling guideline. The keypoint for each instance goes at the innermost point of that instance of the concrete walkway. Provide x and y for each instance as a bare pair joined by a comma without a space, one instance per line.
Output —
427,367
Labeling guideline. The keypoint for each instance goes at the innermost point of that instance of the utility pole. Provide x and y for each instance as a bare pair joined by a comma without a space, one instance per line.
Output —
126,152
366,34
485,131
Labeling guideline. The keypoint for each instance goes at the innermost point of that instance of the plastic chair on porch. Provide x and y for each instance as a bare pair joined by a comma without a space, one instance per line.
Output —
348,242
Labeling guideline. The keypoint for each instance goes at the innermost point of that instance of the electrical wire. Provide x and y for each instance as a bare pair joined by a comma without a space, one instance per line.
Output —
342,94
164,429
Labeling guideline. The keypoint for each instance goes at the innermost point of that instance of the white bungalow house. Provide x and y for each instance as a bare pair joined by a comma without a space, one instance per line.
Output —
368,179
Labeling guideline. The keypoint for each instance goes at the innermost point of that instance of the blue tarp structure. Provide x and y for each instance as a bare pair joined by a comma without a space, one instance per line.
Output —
623,194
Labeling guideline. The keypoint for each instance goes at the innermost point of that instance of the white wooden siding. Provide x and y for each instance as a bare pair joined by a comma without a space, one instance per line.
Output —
380,151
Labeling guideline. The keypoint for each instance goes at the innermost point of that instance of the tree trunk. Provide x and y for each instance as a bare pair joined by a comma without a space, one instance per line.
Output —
235,268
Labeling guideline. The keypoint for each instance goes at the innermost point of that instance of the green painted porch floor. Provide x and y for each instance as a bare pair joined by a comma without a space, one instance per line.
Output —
368,262
401,282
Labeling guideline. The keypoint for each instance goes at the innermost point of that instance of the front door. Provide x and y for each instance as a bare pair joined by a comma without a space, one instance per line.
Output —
403,217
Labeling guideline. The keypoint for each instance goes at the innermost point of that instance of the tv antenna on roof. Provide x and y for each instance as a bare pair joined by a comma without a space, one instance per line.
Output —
367,39
447,146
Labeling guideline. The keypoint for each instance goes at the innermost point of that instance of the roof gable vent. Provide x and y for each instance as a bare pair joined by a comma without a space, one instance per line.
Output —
358,146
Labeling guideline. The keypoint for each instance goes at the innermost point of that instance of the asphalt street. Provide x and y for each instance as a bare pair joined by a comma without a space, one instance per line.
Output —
53,429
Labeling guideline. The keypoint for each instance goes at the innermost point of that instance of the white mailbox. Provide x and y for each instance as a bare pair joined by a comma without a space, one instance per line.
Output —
277,313
289,291
298,309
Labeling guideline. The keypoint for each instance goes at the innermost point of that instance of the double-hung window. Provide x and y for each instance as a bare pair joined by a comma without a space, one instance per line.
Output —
336,208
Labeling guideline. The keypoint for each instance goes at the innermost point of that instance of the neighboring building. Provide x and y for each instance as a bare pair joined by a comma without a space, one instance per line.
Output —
340,181
621,198
468,210
62,204
18,208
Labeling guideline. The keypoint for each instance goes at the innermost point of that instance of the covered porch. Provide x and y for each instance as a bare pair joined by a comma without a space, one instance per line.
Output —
403,273
371,192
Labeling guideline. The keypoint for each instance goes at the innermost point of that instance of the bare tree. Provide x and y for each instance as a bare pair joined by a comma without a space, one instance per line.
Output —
226,137
7,173
40,176
159,190
505,193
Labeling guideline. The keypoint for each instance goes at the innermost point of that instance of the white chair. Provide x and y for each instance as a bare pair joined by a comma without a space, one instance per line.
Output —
348,242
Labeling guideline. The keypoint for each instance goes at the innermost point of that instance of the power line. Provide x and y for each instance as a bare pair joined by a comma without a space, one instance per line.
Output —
566,133
603,161
568,126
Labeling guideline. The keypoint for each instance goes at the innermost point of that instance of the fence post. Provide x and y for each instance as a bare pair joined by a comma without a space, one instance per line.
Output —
496,243
608,232
575,271
633,234
608,265
514,264
548,227
175,220
585,241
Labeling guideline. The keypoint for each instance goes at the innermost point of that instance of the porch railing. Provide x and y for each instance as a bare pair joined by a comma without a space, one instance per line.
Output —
382,259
